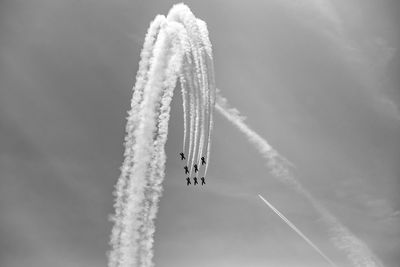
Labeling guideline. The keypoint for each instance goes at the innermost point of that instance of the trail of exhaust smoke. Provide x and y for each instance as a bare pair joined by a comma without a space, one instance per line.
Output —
132,217
202,104
209,86
175,50
294,228
184,89
211,103
120,191
341,237
157,165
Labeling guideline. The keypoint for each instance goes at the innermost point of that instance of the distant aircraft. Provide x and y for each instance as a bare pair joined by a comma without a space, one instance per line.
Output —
203,161
188,181
186,170
195,181
182,156
203,182
195,168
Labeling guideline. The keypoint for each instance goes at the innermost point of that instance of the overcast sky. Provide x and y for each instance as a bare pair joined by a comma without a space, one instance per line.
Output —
318,79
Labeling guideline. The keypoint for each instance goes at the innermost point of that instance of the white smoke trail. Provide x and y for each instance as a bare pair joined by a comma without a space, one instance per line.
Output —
141,79
211,98
356,251
184,89
182,14
205,106
142,156
171,49
192,109
157,164
294,228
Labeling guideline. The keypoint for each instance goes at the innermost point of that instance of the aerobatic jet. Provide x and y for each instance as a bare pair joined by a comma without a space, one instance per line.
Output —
182,156
195,181
195,168
188,181
186,170
203,182
203,161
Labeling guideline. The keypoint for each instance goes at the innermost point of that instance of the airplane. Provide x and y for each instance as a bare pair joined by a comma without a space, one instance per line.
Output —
203,161
188,181
195,168
203,181
182,156
195,181
186,170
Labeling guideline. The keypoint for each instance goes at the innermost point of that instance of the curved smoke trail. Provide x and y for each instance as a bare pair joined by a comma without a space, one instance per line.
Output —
356,251
175,47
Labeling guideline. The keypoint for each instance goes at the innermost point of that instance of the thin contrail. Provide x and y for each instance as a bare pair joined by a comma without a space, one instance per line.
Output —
294,228
341,237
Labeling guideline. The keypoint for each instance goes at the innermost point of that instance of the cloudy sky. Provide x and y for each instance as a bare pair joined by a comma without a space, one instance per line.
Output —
318,79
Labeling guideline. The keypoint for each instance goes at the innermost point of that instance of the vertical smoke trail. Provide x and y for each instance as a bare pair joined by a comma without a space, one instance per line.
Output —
294,228
144,134
192,110
211,101
210,88
182,14
356,251
141,79
157,164
183,84
197,121
205,88
172,49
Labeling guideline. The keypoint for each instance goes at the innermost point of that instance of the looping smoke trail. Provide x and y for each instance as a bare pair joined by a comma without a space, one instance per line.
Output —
356,251
294,228
173,50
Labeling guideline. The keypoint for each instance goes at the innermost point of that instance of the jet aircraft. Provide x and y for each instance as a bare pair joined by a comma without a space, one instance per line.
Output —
182,156
186,170
203,161
195,168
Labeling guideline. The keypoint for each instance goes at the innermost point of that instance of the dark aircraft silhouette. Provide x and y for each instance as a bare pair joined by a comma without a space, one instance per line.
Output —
195,181
188,181
182,156
186,170
203,161
195,168
203,182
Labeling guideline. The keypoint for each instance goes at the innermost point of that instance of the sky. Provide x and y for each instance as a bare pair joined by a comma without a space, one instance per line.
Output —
318,79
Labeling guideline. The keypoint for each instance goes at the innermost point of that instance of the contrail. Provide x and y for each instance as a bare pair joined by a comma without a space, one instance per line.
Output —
294,228
173,50
341,237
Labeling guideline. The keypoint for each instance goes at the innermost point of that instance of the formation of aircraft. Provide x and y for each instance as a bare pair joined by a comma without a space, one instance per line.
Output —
196,170
195,182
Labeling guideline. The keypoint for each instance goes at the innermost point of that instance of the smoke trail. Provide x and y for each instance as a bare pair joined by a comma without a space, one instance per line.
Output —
183,83
211,96
172,48
132,217
294,228
157,164
356,251
141,78
209,85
